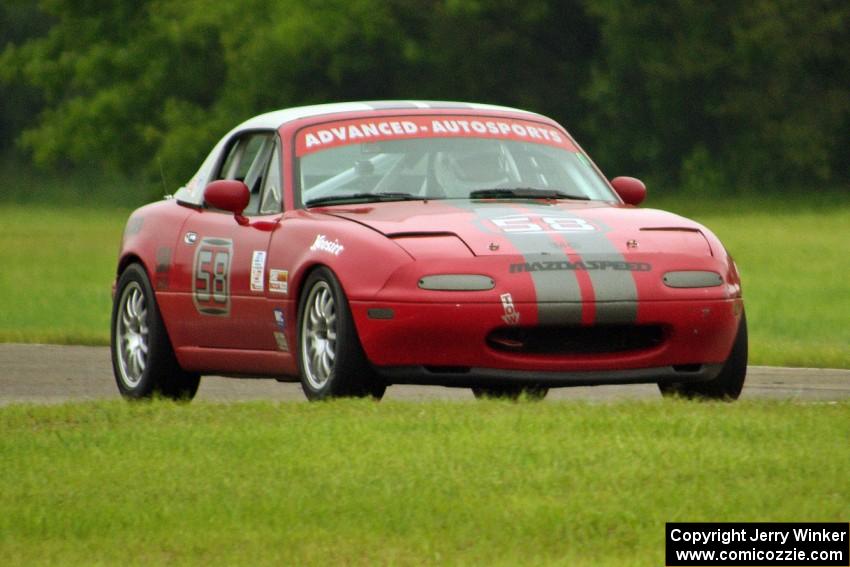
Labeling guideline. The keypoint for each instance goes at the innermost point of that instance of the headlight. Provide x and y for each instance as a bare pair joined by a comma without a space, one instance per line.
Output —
457,282
692,278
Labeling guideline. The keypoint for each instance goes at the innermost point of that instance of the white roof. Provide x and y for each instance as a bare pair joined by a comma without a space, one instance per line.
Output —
274,120
277,118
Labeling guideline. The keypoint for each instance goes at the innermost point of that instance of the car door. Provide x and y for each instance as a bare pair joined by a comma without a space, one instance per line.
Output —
220,264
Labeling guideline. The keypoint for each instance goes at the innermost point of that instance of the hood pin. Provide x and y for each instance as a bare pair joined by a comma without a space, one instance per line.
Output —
632,244
493,246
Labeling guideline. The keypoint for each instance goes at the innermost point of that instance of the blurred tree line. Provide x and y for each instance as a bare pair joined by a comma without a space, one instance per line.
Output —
732,95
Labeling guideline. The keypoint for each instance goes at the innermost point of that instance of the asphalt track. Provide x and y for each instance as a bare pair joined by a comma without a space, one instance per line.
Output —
56,374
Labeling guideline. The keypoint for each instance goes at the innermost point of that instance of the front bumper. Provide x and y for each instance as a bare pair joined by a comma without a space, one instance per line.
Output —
465,378
446,343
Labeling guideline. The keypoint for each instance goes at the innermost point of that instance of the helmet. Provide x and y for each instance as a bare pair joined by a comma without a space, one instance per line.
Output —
478,166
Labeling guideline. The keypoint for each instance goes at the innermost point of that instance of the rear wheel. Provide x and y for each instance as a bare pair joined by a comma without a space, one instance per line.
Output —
143,360
510,392
330,356
728,384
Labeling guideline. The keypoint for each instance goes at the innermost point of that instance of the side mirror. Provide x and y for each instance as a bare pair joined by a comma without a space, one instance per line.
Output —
630,190
229,195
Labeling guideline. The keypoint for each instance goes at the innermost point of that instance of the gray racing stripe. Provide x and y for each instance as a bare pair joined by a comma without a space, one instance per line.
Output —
615,291
558,295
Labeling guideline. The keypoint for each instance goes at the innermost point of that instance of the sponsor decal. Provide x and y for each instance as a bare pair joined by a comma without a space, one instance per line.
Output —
279,281
539,224
511,316
589,265
325,245
163,260
211,276
163,266
258,266
280,319
332,134
282,343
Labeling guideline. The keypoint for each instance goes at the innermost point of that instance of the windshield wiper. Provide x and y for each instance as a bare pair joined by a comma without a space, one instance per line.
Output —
362,198
524,193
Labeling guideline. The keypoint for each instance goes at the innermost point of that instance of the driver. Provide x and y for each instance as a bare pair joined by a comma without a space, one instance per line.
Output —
480,165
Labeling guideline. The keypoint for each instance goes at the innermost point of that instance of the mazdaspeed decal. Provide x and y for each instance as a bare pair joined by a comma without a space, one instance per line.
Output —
258,266
581,265
511,316
342,132
279,281
211,276
325,245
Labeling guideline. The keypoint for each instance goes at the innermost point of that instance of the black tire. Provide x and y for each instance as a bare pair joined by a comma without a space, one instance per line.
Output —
149,370
330,357
510,392
728,384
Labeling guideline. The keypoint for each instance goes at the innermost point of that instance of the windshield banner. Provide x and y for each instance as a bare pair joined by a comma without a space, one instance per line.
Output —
332,134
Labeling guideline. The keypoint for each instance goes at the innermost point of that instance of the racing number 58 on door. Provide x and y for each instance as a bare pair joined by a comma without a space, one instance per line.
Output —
211,276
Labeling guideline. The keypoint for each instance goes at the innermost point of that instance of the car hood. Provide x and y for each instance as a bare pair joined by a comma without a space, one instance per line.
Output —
536,227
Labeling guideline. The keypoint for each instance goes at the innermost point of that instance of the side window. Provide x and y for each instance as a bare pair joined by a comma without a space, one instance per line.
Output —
247,160
272,189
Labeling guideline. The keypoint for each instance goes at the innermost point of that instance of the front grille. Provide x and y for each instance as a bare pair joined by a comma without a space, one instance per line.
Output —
596,339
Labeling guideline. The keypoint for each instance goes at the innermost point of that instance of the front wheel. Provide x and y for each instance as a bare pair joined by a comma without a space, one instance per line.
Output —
728,384
143,361
330,356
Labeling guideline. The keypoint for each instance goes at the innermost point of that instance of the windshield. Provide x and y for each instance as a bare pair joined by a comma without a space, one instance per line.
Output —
433,157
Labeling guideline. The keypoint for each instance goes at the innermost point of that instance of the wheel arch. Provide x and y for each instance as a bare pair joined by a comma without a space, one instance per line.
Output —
125,262
130,258
304,275
298,289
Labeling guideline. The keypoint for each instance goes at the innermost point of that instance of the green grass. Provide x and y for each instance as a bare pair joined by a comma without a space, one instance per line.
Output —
794,259
355,482
56,273
57,269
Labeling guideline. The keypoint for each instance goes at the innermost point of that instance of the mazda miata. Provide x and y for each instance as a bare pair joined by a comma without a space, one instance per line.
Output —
354,246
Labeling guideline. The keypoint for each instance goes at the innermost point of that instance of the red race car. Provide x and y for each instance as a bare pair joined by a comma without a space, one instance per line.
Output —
353,246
